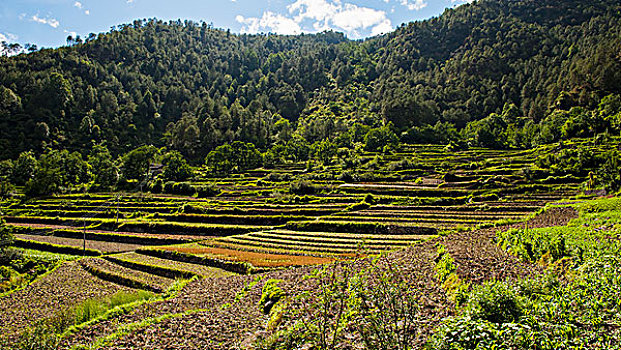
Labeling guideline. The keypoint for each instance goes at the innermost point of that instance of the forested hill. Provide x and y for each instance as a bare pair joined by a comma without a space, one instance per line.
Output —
191,87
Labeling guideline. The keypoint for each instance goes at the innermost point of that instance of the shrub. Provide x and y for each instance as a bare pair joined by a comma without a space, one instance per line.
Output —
156,186
180,188
271,295
302,187
210,190
6,236
495,302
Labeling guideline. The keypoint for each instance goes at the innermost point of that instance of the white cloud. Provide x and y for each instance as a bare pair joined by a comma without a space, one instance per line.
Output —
8,37
320,15
319,10
81,7
382,28
352,17
52,22
416,4
73,34
270,22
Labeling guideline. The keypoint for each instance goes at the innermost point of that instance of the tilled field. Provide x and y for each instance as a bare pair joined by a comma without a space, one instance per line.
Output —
104,247
207,315
66,286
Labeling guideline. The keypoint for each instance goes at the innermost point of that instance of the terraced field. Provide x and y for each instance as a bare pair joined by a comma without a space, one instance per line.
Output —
257,221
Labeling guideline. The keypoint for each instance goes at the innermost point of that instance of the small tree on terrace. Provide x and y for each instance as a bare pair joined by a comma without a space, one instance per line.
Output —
238,156
105,172
324,151
176,168
6,238
377,138
24,168
136,162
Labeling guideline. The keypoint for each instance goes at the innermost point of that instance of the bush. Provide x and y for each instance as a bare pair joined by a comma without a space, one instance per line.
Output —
156,186
271,295
6,236
495,302
180,188
302,187
210,190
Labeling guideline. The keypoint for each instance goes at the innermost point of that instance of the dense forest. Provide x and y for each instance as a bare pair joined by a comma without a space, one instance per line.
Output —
496,73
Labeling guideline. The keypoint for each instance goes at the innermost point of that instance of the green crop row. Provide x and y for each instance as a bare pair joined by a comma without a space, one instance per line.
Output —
153,269
55,248
359,227
117,278
264,220
232,266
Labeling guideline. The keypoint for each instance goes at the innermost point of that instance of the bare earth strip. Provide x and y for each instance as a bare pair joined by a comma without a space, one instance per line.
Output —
106,247
46,227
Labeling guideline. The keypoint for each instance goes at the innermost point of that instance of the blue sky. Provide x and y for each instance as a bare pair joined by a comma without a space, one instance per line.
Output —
47,23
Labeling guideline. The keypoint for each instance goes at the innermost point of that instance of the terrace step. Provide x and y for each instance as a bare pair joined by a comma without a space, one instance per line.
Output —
165,267
104,247
122,275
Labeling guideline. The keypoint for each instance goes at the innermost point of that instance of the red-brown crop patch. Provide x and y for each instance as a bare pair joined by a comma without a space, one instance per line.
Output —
255,258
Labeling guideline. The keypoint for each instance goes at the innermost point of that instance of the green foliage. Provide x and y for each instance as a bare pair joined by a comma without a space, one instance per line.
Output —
495,302
57,171
93,308
304,187
136,162
377,306
209,190
105,171
270,295
47,334
181,188
6,236
531,59
324,151
570,307
378,138
176,168
24,168
609,172
532,245
238,156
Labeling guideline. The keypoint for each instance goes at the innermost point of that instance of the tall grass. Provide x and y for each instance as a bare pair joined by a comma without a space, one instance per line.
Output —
93,308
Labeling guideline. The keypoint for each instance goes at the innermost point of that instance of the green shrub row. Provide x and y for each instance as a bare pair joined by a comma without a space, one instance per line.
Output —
118,238
152,269
232,266
359,227
264,220
181,229
55,248
119,279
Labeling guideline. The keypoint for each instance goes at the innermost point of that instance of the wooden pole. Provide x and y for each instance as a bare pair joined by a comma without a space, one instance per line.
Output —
84,238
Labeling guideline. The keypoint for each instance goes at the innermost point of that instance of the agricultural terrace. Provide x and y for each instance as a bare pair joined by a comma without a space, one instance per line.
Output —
298,214
260,220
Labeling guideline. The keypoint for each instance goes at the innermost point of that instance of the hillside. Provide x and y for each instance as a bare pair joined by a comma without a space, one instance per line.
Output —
451,185
191,87
475,248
